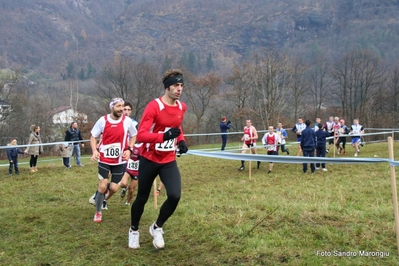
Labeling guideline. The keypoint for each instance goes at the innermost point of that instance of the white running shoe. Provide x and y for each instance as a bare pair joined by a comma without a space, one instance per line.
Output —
134,239
98,217
317,168
92,200
157,235
355,154
127,203
104,206
325,169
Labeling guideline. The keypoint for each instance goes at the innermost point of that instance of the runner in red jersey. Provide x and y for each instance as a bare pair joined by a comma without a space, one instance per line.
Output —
249,138
158,118
270,140
132,171
161,134
114,150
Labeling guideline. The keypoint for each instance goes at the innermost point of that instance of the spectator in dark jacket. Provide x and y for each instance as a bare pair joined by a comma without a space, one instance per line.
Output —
224,127
12,154
308,145
321,135
73,136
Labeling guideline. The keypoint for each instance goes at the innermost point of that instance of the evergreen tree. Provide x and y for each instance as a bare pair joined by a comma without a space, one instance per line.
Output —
192,63
90,70
70,70
81,74
209,62
167,64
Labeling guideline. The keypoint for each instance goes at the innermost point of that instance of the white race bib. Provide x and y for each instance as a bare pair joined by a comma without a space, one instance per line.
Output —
246,137
270,147
167,145
133,165
113,150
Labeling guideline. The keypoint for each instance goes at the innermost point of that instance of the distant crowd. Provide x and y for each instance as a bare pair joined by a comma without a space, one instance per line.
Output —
311,140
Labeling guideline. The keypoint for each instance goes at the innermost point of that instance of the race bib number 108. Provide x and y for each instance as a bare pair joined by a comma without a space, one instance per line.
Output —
112,150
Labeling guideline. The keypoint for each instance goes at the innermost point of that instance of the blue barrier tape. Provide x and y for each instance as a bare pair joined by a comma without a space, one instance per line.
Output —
290,159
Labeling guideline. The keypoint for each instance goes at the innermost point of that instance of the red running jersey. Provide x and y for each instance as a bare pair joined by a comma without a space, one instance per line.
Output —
248,133
156,120
133,163
114,142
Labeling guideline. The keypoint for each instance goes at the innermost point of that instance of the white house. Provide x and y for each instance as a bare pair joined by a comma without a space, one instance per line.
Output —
66,115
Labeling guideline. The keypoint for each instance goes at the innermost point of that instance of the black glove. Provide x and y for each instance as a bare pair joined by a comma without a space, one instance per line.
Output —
182,147
171,133
229,122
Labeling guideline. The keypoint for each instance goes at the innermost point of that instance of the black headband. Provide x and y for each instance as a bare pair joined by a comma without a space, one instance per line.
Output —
172,80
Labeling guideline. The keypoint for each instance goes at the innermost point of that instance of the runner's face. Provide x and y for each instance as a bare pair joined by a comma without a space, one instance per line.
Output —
117,110
127,110
174,91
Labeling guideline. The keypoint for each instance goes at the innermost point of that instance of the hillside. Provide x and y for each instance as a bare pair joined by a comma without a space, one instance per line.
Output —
43,36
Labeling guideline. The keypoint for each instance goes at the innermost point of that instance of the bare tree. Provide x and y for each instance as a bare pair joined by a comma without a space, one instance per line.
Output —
389,99
136,82
358,76
115,79
319,82
241,91
272,76
147,86
200,91
298,88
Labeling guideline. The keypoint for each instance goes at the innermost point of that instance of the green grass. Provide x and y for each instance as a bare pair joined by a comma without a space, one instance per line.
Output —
223,218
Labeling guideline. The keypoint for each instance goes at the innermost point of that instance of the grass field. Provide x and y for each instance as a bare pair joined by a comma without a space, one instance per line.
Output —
223,218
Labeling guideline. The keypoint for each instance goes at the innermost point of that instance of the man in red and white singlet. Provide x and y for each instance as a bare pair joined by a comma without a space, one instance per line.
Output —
113,151
270,140
249,139
161,133
127,109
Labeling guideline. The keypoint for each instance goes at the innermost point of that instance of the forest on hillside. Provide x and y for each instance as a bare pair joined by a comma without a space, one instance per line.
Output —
269,61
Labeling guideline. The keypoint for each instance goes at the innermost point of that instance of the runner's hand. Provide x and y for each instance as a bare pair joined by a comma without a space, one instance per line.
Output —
183,147
171,133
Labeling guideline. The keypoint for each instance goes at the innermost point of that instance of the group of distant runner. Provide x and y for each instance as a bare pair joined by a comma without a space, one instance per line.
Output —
335,133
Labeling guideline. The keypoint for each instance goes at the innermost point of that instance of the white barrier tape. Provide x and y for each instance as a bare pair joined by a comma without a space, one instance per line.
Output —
291,159
220,133
41,144
288,131
361,135
392,129
191,135
42,161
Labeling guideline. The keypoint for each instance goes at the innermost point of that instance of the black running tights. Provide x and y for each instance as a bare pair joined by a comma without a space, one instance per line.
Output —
170,177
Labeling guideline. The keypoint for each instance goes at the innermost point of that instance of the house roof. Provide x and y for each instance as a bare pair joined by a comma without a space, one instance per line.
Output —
59,110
